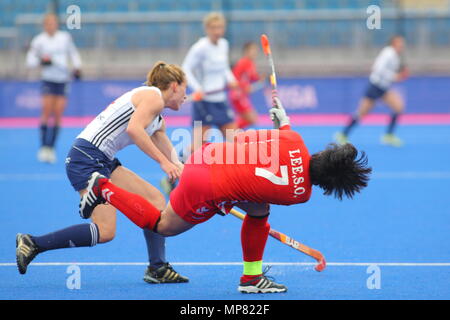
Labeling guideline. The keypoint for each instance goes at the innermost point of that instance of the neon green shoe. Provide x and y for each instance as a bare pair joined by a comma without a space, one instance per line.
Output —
340,138
391,140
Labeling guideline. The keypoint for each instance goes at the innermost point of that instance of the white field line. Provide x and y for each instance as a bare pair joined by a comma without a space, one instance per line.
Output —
301,264
398,175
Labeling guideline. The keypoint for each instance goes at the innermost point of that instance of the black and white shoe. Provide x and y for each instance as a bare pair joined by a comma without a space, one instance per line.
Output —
163,274
92,197
26,251
261,284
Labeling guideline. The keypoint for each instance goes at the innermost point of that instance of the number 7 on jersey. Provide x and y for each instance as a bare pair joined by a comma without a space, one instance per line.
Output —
280,181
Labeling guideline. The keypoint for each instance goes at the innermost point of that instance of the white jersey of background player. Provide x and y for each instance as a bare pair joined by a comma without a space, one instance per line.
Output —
58,47
385,68
207,68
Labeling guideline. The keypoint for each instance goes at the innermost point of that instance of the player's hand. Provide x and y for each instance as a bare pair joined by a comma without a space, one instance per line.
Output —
403,74
279,117
46,61
173,172
197,96
180,166
276,102
233,85
263,77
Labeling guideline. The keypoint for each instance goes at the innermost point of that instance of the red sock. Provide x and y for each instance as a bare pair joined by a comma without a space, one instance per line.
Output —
135,207
254,234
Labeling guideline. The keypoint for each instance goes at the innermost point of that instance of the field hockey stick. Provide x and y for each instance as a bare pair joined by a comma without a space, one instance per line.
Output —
273,78
292,243
190,97
268,52
254,87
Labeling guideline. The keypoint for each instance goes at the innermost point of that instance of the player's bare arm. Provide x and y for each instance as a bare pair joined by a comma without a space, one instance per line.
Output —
148,106
162,141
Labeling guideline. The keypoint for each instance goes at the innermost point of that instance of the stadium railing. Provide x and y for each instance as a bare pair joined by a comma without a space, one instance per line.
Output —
319,40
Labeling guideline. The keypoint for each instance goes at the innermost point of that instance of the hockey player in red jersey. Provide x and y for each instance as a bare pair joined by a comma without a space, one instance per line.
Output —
259,168
245,73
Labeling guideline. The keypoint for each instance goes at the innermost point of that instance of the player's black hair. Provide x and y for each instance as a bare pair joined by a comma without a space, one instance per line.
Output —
339,171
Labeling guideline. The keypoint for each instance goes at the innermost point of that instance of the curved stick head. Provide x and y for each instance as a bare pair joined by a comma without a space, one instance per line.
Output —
321,265
265,44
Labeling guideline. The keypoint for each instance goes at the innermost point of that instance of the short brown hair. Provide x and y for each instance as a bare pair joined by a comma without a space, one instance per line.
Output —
163,74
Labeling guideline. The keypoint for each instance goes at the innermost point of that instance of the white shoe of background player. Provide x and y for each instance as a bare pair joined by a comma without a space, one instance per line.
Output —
51,156
42,154
46,154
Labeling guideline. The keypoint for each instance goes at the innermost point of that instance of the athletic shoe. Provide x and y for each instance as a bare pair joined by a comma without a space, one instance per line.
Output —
340,138
51,155
43,154
261,284
391,140
167,186
163,274
26,251
92,197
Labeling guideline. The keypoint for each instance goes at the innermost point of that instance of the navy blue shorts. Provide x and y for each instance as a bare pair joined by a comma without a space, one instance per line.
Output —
54,88
212,113
374,92
84,159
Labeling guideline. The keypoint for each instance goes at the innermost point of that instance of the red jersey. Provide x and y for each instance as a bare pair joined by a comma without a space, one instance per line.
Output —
245,74
263,166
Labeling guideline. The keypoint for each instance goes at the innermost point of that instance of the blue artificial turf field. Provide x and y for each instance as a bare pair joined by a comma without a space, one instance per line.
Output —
402,217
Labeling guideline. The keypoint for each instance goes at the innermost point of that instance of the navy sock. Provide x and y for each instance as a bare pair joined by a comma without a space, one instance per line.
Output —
43,131
80,235
156,248
393,123
350,125
53,134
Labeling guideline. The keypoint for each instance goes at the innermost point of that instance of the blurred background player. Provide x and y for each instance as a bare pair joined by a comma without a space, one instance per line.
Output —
51,50
214,185
245,72
133,118
387,68
209,75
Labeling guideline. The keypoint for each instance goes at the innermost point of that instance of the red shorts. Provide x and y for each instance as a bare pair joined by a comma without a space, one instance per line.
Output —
193,198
